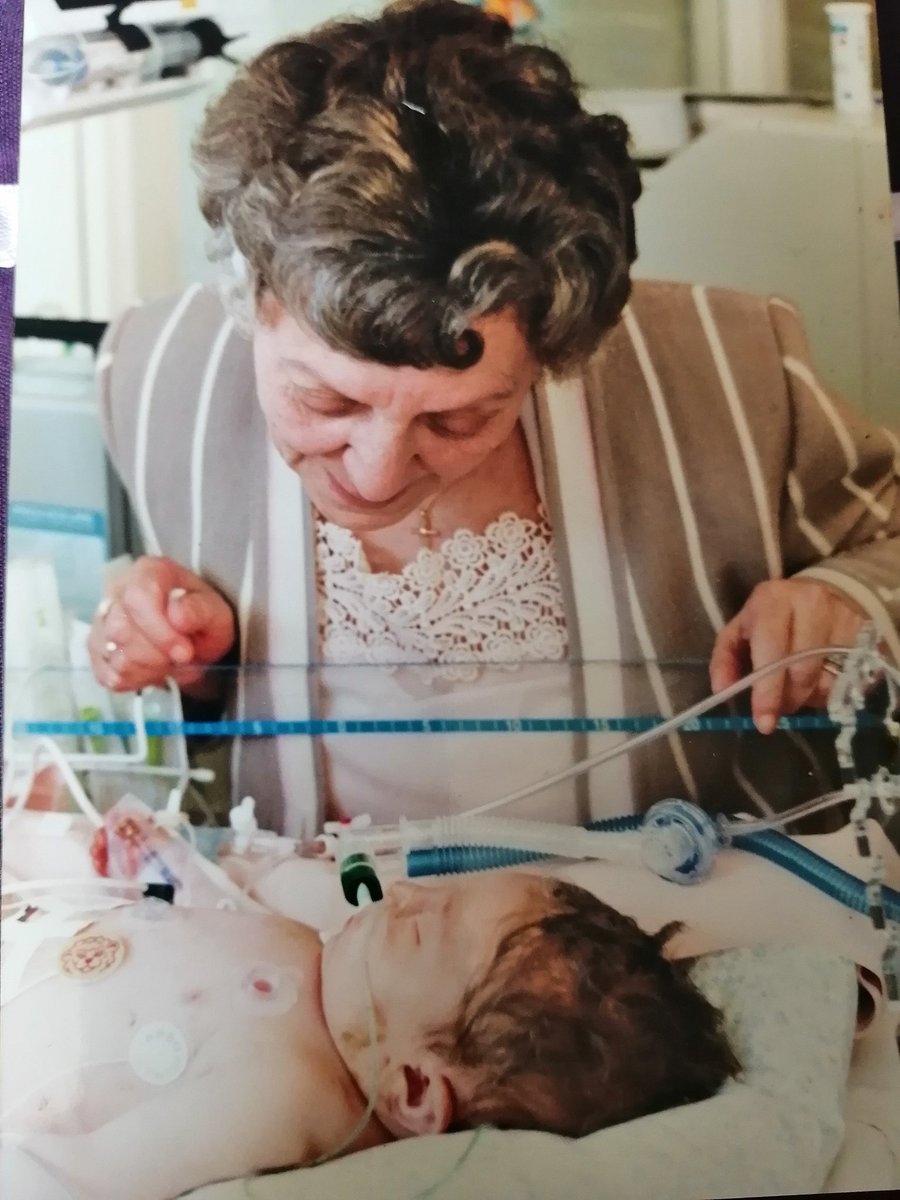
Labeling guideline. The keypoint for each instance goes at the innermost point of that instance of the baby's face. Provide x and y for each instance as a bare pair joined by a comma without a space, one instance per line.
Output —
420,948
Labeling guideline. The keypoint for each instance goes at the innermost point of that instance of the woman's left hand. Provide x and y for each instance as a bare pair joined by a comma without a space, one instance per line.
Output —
781,617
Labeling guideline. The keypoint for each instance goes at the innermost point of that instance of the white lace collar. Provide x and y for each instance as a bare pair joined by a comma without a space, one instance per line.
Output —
476,598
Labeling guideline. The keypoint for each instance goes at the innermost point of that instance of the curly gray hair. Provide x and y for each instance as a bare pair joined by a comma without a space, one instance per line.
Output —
391,180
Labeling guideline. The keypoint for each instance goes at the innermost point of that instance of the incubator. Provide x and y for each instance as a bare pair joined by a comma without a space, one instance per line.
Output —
151,781
120,750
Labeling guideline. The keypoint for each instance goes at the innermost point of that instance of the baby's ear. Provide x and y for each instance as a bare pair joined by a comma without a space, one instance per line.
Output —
421,1098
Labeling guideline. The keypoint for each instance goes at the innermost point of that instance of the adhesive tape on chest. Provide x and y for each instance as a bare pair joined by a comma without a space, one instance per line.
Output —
269,990
158,1053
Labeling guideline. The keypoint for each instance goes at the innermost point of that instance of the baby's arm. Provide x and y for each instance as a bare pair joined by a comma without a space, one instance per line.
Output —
224,1125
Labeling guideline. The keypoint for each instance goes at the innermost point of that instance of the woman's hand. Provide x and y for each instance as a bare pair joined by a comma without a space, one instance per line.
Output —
158,620
783,616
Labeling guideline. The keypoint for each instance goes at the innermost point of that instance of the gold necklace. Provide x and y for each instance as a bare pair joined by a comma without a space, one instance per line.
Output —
426,531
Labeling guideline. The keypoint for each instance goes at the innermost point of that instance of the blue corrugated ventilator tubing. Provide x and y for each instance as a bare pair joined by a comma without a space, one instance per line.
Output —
840,885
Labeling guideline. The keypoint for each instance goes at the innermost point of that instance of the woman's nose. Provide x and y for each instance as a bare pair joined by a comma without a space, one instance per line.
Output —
378,462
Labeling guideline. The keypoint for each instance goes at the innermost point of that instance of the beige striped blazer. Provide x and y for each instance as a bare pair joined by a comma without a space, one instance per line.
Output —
700,431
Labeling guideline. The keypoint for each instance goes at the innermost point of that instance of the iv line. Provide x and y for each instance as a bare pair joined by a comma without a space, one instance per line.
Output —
668,726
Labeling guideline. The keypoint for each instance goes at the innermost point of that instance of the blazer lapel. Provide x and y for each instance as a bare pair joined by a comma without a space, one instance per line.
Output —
595,482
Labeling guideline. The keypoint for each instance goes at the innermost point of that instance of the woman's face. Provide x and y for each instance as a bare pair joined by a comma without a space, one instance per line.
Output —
374,443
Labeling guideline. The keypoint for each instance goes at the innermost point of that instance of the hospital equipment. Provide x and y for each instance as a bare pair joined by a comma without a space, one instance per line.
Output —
122,59
849,694
124,54
851,58
846,709
21,763
675,839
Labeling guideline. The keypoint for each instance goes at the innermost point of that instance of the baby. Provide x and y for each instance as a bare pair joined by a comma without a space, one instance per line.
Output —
155,1049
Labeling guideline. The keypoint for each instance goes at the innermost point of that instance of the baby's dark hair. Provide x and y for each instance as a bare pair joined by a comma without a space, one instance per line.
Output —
581,1022
392,180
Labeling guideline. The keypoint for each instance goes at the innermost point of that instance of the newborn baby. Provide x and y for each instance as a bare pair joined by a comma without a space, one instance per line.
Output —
172,1047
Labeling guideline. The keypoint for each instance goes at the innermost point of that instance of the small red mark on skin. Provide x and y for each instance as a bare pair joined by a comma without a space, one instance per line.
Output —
193,996
263,986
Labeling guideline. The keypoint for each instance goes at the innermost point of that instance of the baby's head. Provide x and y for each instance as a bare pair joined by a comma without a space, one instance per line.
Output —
516,1001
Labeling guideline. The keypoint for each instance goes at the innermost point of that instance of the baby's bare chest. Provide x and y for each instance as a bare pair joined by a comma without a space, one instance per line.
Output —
150,999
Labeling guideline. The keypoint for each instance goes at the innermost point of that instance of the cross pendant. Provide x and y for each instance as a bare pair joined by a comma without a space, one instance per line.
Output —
425,530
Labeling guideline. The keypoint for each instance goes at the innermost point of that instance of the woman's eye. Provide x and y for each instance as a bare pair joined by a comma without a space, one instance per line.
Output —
446,425
325,406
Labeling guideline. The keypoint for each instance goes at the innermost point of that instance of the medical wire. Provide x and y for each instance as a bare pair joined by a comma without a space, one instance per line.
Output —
50,748
28,886
375,1080
434,1188
374,1083
90,761
372,1029
735,825
670,725
673,723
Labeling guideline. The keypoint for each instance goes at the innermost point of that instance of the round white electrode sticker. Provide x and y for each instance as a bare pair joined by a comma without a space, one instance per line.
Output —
158,1053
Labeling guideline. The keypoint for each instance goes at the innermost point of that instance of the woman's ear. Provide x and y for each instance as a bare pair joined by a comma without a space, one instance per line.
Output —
420,1098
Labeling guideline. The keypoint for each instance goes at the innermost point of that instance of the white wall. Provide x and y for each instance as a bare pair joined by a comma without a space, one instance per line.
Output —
632,43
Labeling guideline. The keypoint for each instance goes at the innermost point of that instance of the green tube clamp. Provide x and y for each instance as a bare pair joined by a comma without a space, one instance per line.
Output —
358,872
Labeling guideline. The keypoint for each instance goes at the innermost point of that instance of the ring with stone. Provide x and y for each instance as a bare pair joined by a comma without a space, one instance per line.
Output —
103,608
109,650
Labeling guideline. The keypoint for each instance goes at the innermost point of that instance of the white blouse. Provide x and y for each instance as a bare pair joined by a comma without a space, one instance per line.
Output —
475,627
477,598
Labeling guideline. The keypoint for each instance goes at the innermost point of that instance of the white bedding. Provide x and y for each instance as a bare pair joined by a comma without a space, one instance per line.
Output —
791,1013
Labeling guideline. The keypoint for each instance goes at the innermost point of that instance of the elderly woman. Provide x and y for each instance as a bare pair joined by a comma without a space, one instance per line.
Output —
430,422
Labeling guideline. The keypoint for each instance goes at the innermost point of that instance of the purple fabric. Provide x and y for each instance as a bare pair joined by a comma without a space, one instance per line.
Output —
11,12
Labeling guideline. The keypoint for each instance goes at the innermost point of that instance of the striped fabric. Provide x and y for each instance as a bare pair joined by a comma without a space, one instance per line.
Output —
703,445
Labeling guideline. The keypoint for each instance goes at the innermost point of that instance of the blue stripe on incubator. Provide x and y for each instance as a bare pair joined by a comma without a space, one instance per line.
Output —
319,728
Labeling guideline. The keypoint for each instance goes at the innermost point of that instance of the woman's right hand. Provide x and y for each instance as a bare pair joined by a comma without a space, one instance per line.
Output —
158,620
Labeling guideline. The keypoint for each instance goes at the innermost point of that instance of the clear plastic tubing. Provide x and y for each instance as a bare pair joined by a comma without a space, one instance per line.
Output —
675,839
